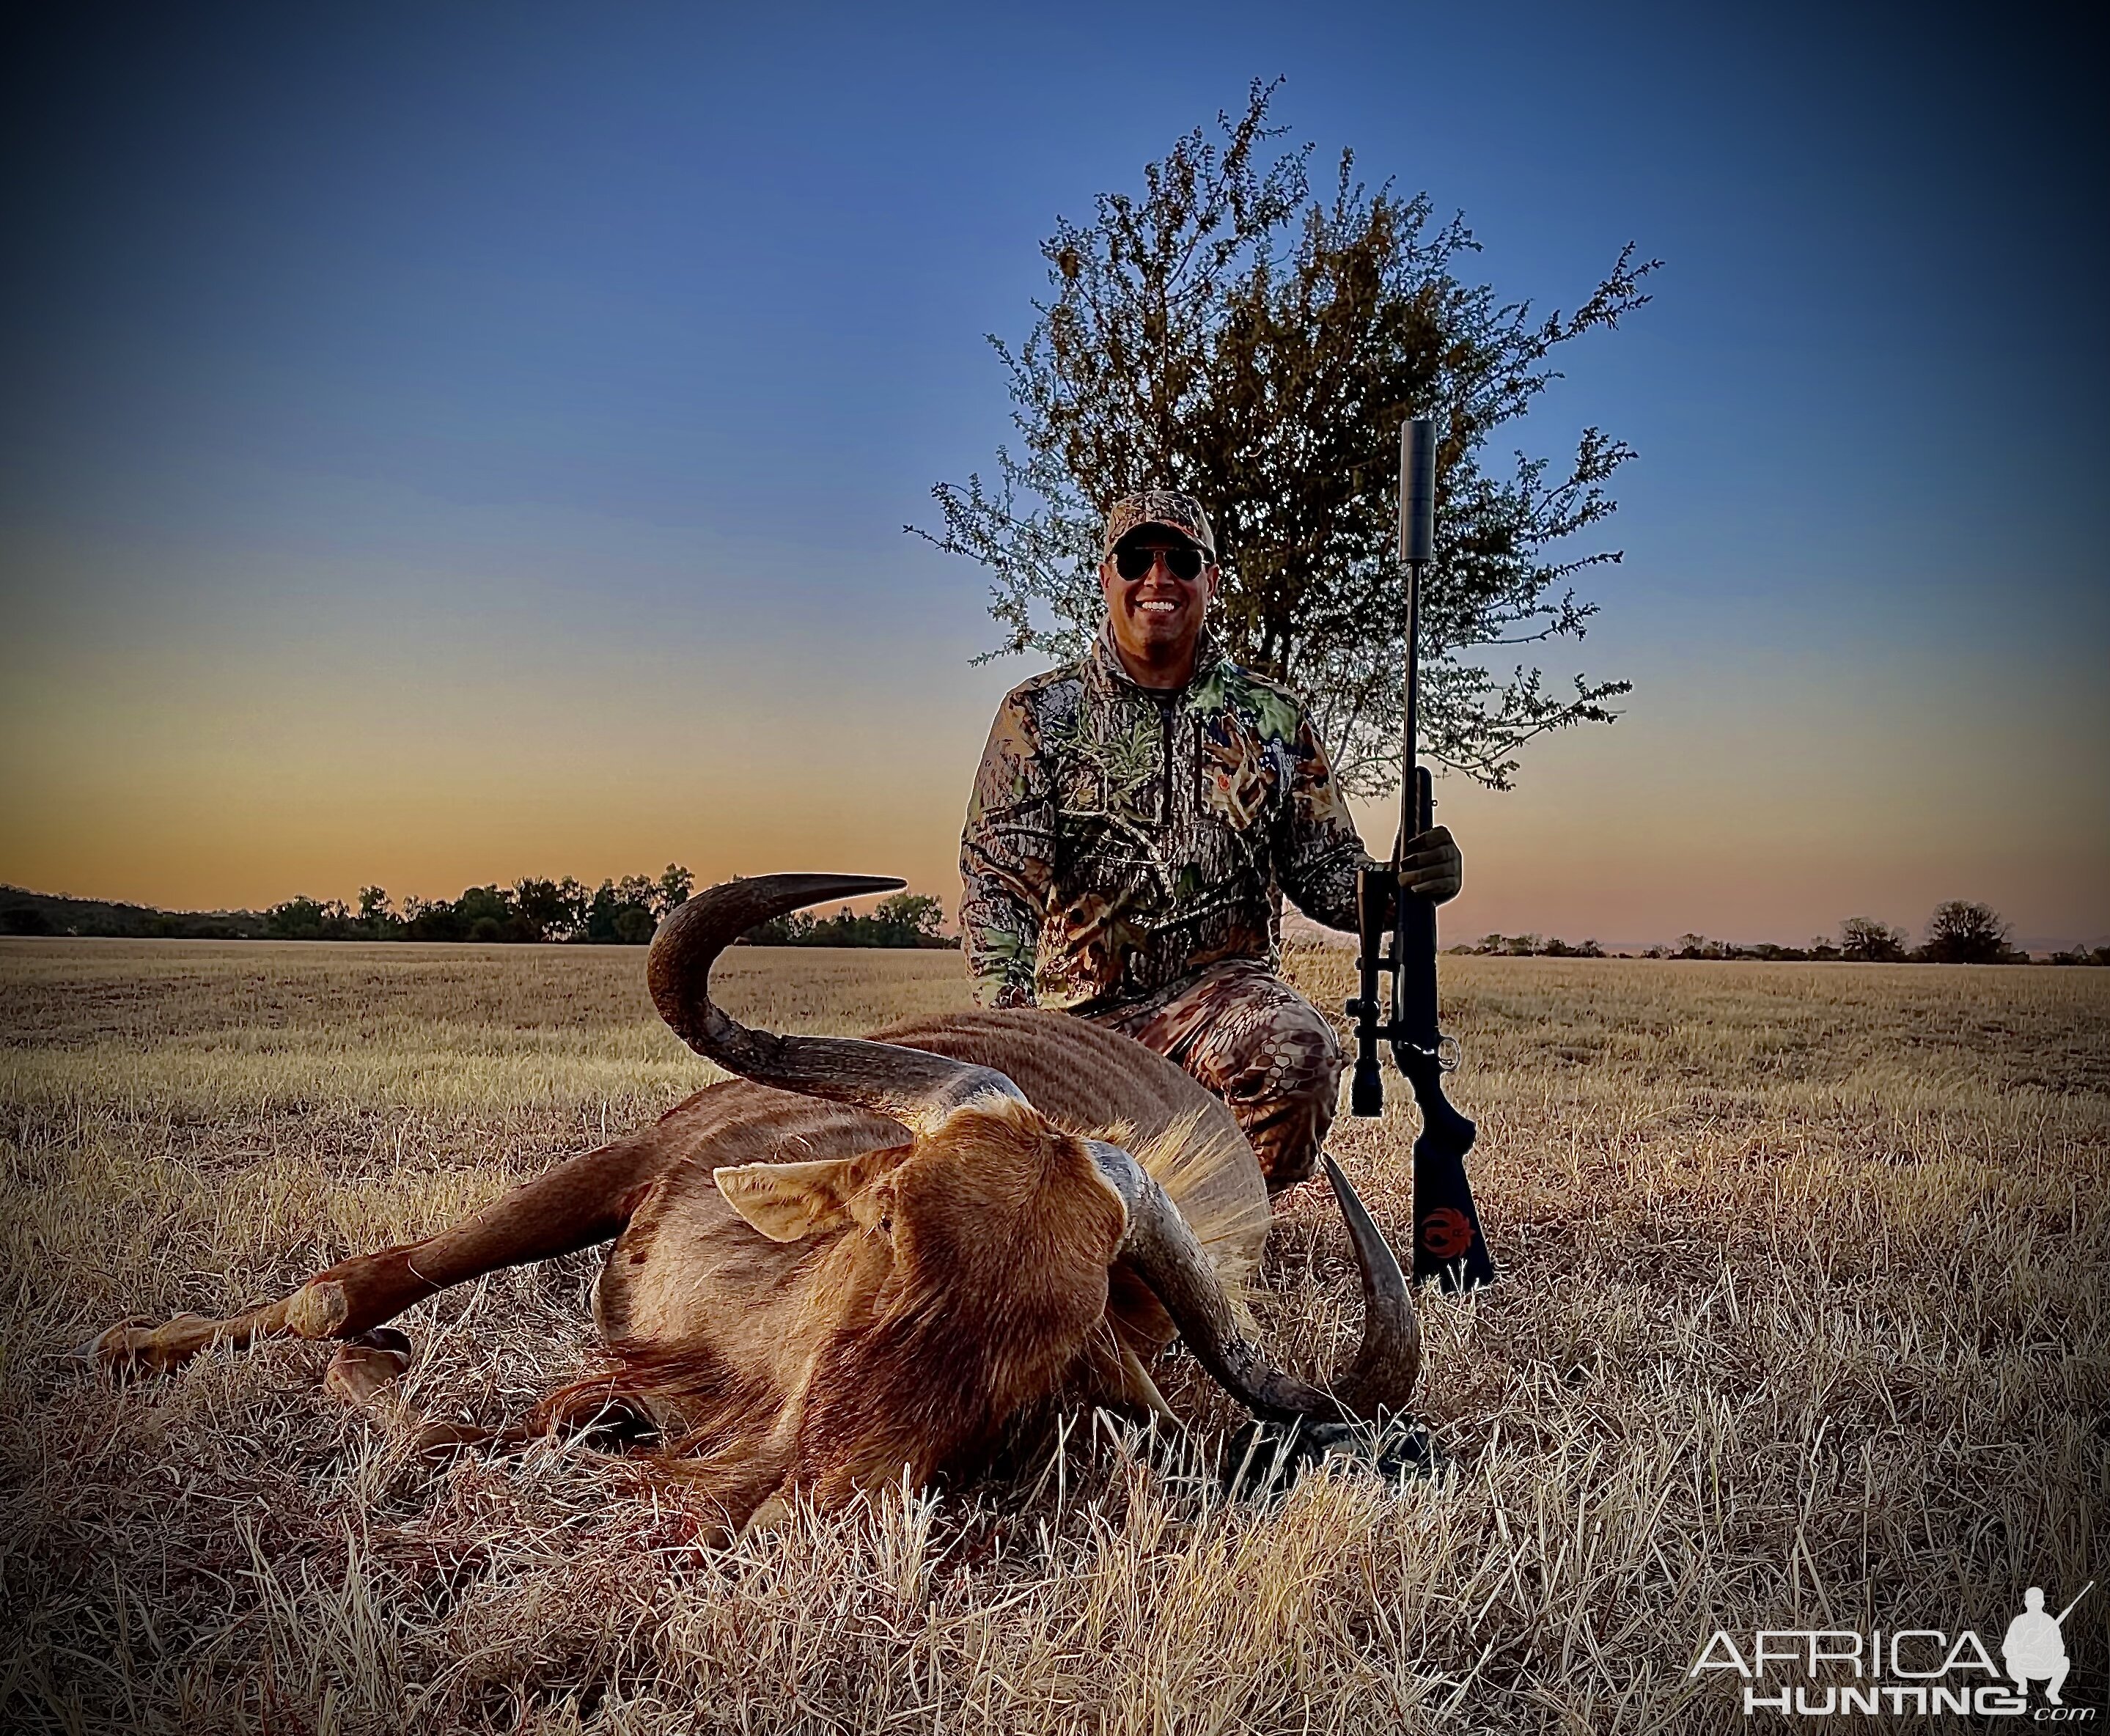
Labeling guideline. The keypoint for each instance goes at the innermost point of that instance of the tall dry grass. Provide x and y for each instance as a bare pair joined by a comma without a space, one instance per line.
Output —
1802,1327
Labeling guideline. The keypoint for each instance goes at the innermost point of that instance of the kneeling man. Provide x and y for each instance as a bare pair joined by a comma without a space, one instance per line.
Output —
1137,819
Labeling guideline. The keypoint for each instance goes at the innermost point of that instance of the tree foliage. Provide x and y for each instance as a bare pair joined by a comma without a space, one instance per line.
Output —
1232,335
1958,933
1529,945
25,912
1961,933
1865,941
623,912
306,918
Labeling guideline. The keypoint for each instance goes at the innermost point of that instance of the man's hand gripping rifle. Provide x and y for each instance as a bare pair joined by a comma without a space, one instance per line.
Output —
1447,1243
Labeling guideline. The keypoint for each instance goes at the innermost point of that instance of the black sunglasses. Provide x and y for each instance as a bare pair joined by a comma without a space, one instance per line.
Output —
1185,562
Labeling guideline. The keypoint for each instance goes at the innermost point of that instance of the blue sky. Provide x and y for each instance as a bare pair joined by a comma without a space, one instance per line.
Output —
454,443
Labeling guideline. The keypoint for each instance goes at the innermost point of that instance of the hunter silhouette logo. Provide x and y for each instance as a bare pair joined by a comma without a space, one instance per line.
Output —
2035,1647
1447,1233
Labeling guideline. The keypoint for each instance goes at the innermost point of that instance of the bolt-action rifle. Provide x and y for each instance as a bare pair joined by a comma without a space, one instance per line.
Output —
1447,1243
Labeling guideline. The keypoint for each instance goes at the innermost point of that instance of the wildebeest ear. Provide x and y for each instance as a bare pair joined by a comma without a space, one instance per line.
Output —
788,1202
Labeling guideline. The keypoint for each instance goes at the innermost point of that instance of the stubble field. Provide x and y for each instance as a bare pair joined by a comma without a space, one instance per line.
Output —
1803,1328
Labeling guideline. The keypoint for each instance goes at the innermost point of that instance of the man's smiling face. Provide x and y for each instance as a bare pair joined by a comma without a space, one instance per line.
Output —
1156,616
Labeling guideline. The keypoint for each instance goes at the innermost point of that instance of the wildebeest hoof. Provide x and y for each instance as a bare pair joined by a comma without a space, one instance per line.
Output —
1264,1458
137,1347
95,1353
367,1365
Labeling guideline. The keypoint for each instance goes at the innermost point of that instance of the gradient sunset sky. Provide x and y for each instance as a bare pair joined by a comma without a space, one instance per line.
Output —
447,443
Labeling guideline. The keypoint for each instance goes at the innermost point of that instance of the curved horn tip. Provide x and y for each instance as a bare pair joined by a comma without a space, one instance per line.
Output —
1387,1364
1362,1228
814,885
852,885
718,915
777,894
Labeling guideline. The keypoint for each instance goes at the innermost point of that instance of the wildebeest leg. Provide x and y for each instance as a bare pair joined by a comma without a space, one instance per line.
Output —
585,1200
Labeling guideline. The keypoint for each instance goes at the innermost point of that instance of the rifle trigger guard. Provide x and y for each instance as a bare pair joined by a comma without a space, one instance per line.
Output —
1448,1054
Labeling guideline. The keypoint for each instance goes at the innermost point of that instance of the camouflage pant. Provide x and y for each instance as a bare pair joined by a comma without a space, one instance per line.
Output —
1260,1045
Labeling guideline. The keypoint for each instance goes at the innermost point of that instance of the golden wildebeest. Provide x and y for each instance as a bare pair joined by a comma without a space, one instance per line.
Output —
864,1256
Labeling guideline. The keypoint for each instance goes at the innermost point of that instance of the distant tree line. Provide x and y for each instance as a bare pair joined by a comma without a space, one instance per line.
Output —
617,913
628,911
623,912
907,918
24,912
1530,946
1958,933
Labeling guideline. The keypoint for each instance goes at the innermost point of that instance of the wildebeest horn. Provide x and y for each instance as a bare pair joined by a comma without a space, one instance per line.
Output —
911,1085
1164,1250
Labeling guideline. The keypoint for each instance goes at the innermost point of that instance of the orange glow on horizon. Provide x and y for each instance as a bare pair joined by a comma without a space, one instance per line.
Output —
193,774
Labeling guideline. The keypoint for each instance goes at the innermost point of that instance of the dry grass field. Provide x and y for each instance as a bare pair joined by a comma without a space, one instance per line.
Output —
1802,1327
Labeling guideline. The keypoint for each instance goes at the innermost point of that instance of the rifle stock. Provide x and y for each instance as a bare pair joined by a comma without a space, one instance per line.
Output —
1448,1244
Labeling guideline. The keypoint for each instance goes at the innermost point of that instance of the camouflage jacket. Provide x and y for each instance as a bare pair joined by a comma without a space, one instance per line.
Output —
1121,839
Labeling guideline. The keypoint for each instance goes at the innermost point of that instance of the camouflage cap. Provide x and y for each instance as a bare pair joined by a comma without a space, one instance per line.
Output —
1159,506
